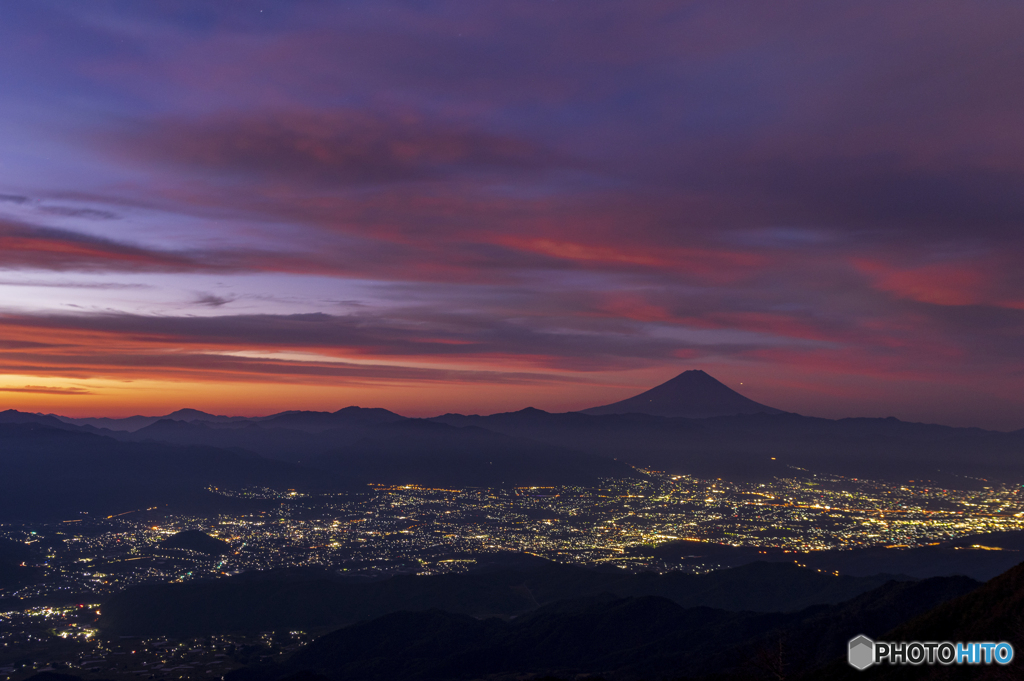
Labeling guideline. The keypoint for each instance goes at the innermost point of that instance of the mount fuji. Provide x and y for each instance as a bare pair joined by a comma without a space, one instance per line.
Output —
692,394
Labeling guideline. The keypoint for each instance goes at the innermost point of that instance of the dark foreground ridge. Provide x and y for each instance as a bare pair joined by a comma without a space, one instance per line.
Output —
992,612
636,637
266,601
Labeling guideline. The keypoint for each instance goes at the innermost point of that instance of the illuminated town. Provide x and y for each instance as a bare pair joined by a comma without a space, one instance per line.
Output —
416,530
413,529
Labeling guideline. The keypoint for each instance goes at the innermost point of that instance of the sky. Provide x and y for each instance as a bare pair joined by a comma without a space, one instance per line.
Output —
478,206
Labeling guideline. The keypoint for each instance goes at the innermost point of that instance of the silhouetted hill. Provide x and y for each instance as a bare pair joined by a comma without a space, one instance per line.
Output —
51,473
316,421
167,428
284,419
196,540
285,444
196,415
992,612
374,448
972,555
17,564
12,416
266,602
436,454
615,638
126,424
821,634
742,447
691,394
134,423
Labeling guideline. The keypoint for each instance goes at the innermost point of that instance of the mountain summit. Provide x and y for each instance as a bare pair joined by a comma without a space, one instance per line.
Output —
691,394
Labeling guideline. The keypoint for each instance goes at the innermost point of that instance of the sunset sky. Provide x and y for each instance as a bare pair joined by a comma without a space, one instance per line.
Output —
476,206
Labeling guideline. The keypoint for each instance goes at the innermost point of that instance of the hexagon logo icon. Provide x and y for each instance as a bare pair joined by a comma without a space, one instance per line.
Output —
861,654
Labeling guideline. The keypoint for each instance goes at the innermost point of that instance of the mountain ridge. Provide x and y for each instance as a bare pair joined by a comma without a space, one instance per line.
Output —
606,635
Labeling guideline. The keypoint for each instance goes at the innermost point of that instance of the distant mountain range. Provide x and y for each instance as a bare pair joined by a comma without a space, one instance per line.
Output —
353,446
692,394
132,423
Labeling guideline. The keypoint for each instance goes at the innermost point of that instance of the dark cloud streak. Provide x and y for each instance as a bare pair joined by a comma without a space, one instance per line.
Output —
336,147
413,334
43,390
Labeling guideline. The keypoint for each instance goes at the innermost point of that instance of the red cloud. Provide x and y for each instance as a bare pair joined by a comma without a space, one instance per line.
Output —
25,246
973,281
345,146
